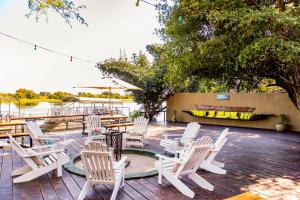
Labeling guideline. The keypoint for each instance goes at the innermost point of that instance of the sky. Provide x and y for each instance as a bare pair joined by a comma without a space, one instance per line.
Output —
112,25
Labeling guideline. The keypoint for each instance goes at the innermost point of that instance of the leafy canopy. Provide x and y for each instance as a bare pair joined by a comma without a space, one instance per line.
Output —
145,75
65,8
236,42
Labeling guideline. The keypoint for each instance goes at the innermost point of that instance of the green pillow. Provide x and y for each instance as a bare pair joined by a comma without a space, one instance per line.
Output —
242,116
211,113
199,113
194,112
227,115
220,114
233,115
249,116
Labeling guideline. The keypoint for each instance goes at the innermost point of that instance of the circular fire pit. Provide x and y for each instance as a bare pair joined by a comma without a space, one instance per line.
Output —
141,164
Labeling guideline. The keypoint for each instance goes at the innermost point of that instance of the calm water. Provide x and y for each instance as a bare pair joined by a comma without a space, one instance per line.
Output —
43,108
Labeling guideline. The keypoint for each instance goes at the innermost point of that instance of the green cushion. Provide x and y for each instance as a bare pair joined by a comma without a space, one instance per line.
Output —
199,113
202,113
242,116
249,116
227,115
220,114
211,113
234,115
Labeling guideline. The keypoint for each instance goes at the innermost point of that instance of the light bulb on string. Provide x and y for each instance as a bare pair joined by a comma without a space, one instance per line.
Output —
35,47
71,59
137,3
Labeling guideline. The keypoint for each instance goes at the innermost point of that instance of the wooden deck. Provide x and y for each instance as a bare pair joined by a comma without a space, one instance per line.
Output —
262,162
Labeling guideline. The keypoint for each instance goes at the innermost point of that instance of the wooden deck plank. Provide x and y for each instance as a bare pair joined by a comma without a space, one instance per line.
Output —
259,161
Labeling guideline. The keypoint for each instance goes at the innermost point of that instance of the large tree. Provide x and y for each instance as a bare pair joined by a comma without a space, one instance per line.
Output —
65,8
148,76
237,42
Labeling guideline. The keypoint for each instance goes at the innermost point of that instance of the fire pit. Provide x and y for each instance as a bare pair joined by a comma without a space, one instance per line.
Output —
141,164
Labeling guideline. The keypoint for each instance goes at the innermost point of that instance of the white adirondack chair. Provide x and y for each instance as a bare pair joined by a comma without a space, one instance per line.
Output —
210,163
40,160
39,138
137,135
100,168
173,169
94,128
190,133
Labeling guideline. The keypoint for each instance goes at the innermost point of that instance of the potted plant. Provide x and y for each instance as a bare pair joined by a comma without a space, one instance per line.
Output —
281,126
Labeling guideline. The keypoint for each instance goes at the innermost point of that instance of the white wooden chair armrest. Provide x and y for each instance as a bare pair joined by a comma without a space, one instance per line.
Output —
44,153
173,136
51,146
47,138
161,157
120,163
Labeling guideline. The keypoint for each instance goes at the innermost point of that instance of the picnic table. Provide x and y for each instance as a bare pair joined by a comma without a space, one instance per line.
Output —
7,126
109,122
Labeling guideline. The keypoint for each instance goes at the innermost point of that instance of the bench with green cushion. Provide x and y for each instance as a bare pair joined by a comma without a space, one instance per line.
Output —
221,114
227,115
199,113
211,114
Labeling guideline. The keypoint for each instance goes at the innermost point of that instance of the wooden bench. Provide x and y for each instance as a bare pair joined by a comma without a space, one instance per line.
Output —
5,129
2,136
15,135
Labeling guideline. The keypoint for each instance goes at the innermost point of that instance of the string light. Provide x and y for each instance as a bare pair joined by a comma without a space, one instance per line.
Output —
138,3
46,49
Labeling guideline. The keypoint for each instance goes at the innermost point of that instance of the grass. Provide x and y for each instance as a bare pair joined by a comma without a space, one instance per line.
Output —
32,102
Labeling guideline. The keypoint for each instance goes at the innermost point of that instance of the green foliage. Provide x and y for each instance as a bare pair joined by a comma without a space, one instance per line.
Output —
59,95
105,95
237,43
283,119
65,8
135,114
25,94
150,77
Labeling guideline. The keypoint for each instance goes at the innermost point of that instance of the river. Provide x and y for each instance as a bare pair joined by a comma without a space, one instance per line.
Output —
43,108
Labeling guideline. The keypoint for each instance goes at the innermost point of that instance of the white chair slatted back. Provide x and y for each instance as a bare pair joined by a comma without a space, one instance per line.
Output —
33,161
220,142
98,164
17,147
33,128
93,121
195,154
140,125
190,132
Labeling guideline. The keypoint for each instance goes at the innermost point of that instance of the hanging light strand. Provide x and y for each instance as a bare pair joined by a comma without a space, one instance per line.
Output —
72,58
144,1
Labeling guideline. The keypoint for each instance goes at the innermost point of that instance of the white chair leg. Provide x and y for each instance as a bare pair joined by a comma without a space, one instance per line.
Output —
179,185
158,167
218,164
21,171
87,186
116,189
201,182
212,168
59,170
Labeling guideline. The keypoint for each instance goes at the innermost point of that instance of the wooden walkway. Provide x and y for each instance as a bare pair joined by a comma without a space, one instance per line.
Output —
262,162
